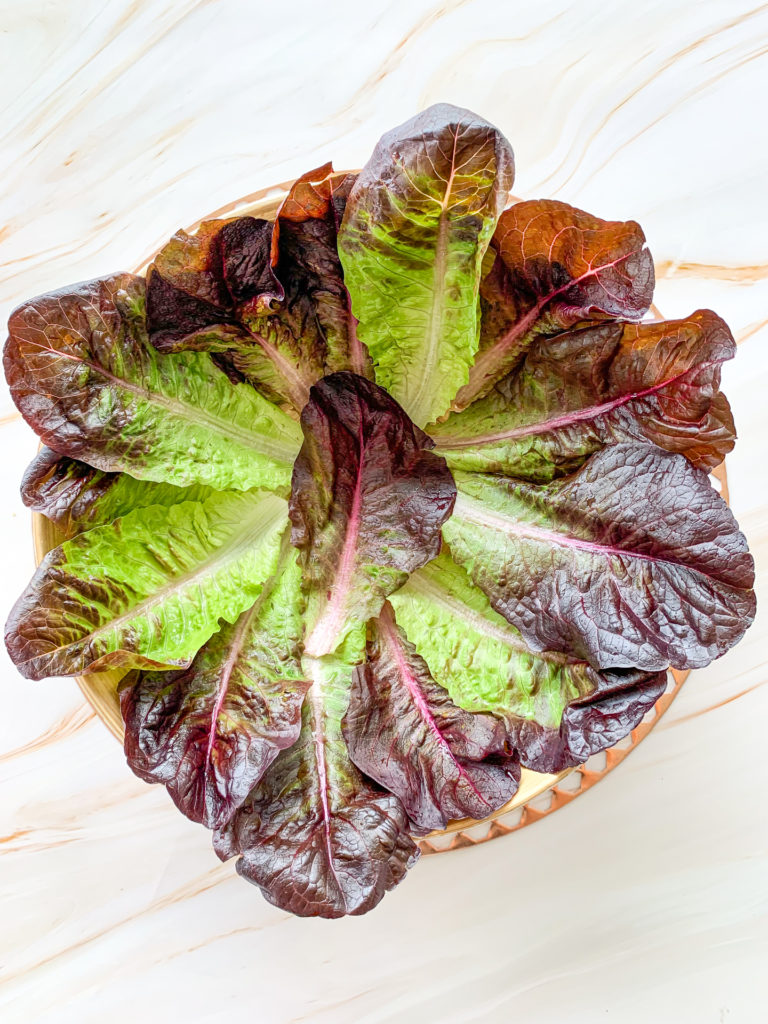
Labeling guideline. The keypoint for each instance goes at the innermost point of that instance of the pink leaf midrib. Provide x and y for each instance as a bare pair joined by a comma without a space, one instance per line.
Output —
387,626
485,360
568,419
331,620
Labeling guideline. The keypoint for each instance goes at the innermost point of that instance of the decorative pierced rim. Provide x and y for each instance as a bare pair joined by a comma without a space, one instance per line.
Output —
539,794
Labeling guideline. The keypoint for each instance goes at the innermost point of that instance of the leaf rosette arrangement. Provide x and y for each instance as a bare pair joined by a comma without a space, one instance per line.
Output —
375,504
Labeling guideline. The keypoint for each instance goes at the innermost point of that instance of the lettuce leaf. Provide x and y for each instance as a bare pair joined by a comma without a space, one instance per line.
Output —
368,499
403,730
417,224
634,561
317,837
557,710
576,392
555,266
86,380
78,497
269,298
304,251
148,590
209,733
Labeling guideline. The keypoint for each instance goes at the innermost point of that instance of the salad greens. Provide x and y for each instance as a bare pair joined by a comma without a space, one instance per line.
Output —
376,503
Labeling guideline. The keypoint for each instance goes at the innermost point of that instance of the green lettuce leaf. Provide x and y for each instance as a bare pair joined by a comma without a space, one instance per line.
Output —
78,497
210,732
148,590
555,266
318,838
417,224
85,378
634,561
576,392
367,503
556,709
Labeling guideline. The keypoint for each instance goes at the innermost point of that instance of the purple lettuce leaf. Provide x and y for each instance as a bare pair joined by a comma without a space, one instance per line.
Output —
304,250
555,266
317,837
403,730
367,502
634,561
149,589
209,733
582,389
556,709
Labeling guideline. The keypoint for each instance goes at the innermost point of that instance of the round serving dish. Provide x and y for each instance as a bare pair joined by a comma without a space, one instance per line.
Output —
538,794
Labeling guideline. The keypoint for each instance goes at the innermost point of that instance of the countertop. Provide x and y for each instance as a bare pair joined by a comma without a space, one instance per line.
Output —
645,899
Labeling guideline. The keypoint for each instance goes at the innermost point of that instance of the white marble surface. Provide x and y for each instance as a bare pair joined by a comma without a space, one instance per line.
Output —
645,900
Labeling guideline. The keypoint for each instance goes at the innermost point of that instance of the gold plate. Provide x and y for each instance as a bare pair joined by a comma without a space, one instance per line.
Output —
538,794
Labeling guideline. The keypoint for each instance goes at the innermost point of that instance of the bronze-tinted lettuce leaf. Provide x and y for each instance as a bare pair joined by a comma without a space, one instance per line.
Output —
583,389
556,709
555,266
403,729
268,298
318,838
85,378
634,561
304,251
415,230
210,732
367,502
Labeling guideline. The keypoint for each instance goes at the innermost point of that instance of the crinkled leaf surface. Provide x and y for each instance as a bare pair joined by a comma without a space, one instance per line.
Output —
149,589
317,837
78,497
86,380
556,709
210,732
634,561
583,389
367,502
304,251
269,298
216,291
403,729
555,266
417,224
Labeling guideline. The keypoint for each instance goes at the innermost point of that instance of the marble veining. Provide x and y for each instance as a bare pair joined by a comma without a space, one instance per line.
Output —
643,900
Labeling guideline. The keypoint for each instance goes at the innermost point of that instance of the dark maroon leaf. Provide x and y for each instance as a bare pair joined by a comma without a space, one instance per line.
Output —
368,499
210,732
635,561
583,389
315,836
403,730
